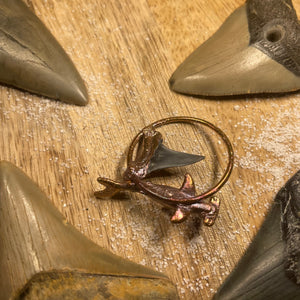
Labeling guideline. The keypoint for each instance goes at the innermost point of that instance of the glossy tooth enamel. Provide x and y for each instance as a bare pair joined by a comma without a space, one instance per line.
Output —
32,60
270,268
44,257
166,158
232,62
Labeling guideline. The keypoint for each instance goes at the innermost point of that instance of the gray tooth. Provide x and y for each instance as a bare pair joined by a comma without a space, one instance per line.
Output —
44,257
270,268
32,60
256,50
166,158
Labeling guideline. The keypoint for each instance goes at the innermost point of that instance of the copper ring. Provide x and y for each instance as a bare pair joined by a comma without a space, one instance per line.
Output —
191,120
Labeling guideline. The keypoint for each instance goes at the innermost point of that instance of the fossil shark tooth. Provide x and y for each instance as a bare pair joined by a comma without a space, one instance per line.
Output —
44,257
154,155
270,268
256,50
166,158
31,59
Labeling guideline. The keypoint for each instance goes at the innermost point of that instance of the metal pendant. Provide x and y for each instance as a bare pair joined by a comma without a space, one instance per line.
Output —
150,156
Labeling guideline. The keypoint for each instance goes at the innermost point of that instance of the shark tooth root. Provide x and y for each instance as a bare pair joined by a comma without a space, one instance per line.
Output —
255,51
49,259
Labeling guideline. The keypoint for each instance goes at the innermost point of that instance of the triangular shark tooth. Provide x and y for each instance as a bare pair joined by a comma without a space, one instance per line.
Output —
31,59
153,155
164,158
44,257
256,50
270,268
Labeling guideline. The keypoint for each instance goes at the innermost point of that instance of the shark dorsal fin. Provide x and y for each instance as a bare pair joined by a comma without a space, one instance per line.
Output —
188,185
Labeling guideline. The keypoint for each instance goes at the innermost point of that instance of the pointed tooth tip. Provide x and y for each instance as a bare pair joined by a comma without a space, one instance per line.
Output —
66,90
201,157
178,84
53,85
197,158
261,264
172,82
189,85
79,96
78,100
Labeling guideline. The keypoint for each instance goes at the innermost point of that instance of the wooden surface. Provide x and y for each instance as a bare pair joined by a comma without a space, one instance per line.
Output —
126,51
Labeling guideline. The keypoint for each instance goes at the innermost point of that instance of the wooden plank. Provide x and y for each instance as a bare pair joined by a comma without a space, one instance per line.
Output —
126,51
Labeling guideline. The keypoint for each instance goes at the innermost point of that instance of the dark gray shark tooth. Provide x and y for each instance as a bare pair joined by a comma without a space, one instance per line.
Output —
44,257
153,155
256,50
166,158
270,268
31,59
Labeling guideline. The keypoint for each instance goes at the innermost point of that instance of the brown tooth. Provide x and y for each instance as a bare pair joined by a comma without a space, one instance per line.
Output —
270,267
32,60
250,53
44,257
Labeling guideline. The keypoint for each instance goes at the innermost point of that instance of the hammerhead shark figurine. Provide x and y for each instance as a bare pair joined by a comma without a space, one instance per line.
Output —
151,156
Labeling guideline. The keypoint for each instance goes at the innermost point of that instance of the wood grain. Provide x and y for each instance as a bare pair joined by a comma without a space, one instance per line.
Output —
126,51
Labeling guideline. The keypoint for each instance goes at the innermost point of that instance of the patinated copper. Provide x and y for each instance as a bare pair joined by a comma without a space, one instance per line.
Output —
184,199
